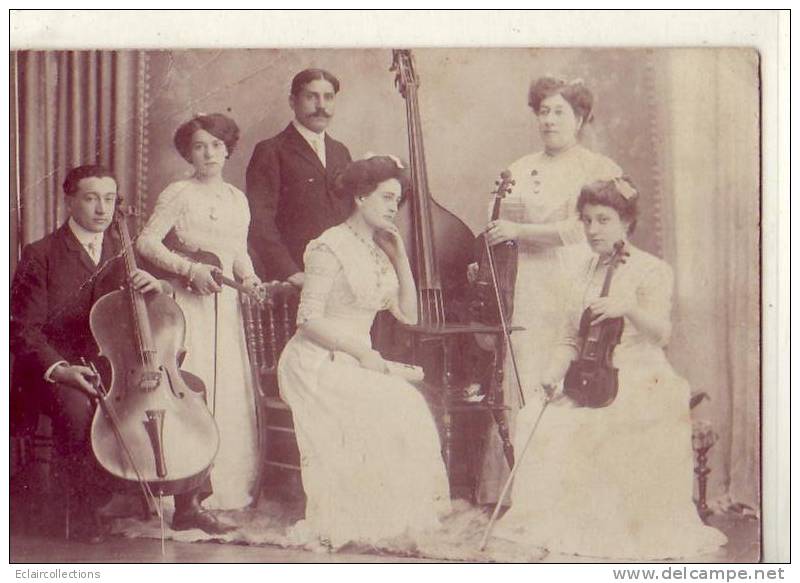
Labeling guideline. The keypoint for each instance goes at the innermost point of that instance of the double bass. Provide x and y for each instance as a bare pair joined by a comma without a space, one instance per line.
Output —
440,248
591,379
150,428
440,244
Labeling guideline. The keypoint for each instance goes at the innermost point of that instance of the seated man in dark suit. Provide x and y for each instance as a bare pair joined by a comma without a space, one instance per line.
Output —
57,281
290,178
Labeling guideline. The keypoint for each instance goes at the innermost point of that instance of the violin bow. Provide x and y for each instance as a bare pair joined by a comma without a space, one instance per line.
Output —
511,476
504,322
502,189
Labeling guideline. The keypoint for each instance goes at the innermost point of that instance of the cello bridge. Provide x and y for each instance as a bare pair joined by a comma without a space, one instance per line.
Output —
150,380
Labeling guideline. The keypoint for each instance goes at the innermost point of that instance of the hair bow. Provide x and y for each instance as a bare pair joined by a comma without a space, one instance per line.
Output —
625,188
395,159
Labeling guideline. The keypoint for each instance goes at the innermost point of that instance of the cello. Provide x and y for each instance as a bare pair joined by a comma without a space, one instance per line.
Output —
150,428
591,379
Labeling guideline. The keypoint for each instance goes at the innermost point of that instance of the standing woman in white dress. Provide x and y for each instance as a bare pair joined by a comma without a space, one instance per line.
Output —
371,459
613,482
206,213
539,214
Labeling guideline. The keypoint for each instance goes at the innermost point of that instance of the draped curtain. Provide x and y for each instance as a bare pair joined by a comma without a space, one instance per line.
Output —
70,108
713,169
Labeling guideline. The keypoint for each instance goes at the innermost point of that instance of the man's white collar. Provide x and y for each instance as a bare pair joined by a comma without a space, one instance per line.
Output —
84,236
309,135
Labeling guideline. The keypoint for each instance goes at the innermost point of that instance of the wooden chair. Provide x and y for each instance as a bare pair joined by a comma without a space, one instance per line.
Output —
268,327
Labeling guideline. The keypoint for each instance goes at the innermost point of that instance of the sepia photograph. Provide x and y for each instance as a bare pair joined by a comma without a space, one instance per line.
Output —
413,302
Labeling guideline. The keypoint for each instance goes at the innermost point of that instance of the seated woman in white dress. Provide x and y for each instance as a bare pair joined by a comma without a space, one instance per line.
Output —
613,482
371,459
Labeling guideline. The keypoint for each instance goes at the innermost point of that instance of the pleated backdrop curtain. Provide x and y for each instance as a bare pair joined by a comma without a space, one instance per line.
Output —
713,174
70,108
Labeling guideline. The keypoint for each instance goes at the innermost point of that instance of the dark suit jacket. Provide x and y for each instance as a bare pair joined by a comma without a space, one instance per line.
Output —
50,304
291,200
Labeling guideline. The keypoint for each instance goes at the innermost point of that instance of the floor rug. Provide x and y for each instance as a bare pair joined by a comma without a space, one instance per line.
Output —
458,539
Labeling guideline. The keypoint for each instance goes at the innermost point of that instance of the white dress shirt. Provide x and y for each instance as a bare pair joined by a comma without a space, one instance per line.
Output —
314,139
92,242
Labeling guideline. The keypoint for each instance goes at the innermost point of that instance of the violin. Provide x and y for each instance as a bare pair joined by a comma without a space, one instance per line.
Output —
209,259
492,292
591,379
151,427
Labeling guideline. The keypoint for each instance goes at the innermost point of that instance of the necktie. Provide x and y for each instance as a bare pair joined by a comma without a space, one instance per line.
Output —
92,248
319,148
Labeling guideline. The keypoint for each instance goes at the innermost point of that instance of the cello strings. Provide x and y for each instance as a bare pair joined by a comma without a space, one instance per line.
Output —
112,415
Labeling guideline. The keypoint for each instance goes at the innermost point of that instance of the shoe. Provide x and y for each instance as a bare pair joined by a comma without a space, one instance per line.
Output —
201,519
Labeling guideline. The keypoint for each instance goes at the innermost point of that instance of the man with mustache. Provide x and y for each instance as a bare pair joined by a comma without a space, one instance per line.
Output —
289,181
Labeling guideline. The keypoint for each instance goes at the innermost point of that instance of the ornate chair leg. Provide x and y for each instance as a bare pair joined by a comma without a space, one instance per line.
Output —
703,439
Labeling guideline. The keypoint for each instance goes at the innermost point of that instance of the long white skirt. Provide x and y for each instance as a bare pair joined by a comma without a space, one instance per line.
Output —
370,452
229,397
613,482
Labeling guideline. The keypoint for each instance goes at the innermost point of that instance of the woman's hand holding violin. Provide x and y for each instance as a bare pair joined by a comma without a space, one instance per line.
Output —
202,280
500,231
612,307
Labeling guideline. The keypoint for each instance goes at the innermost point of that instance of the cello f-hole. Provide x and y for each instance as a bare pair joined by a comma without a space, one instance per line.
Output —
176,392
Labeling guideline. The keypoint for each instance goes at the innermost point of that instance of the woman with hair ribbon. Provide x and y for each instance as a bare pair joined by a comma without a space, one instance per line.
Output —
371,459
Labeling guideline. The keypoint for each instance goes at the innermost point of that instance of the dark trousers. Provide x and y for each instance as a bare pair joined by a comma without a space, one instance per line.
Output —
71,413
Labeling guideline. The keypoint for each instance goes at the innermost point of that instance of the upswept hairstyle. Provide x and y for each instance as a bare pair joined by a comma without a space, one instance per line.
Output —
618,193
218,125
574,92
362,177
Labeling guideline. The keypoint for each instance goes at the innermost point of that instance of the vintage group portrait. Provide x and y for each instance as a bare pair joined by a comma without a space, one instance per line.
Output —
473,304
